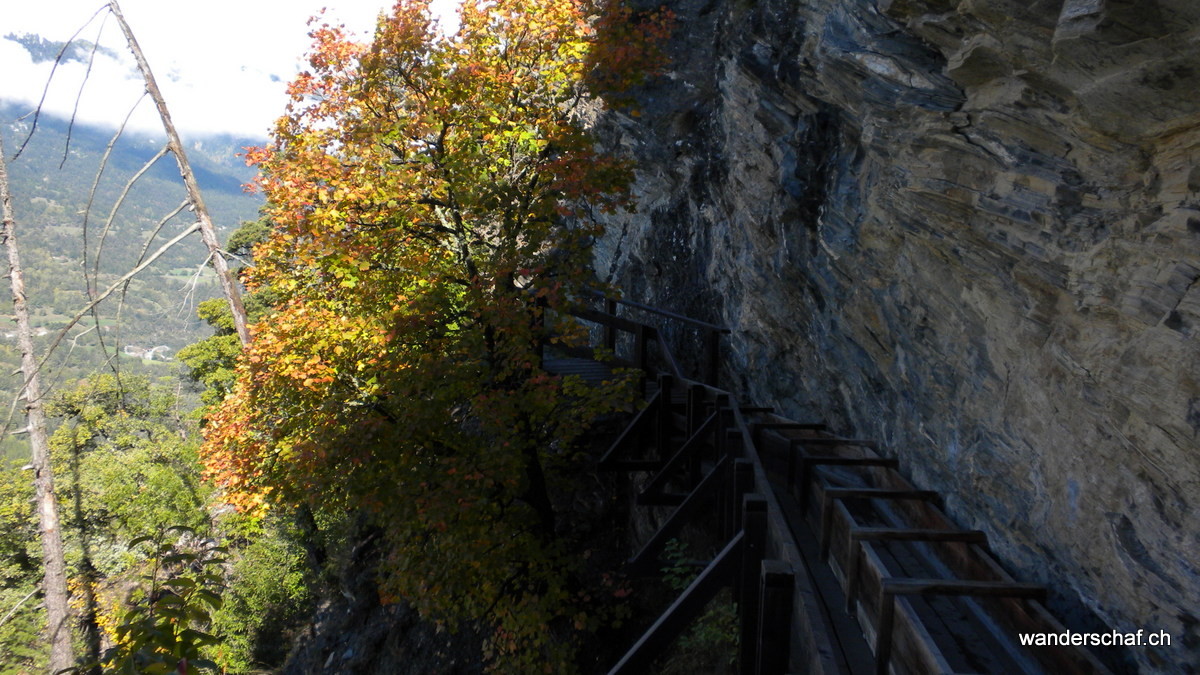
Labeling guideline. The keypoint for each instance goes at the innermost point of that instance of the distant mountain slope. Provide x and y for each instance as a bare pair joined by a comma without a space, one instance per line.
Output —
50,202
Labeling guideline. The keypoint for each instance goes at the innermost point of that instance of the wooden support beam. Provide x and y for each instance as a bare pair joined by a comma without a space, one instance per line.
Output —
683,611
832,494
749,595
807,462
641,350
713,357
777,581
696,416
688,452
860,442
892,587
742,484
664,426
607,319
610,331
860,534
631,435
697,412
724,421
784,426
710,486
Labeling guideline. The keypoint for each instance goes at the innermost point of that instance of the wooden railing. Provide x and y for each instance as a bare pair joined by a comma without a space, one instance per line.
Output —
643,333
822,536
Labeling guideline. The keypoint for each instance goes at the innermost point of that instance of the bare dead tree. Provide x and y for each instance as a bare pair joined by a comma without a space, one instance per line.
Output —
207,232
54,580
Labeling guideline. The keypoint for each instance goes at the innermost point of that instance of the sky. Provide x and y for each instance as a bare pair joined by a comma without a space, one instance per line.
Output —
222,65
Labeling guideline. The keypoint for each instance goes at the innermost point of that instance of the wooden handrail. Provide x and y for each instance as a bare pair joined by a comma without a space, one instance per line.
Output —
661,312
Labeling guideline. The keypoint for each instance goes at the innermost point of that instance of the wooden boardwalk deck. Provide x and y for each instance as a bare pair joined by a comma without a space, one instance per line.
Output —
592,372
838,563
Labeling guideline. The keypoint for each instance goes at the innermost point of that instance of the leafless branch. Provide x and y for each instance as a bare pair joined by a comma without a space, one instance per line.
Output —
207,232
79,94
37,112
87,210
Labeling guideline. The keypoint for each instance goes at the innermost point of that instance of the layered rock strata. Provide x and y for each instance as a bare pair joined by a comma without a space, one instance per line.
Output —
970,229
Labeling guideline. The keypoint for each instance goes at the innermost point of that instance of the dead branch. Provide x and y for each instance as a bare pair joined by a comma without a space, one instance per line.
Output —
37,112
207,232
54,579
79,94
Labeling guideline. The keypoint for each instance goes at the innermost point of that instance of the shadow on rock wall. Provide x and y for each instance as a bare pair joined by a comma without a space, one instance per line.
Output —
971,229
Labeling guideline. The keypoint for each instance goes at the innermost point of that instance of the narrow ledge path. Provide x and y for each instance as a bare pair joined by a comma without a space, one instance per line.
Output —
837,562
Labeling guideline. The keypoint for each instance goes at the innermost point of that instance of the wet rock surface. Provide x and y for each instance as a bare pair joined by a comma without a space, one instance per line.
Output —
970,229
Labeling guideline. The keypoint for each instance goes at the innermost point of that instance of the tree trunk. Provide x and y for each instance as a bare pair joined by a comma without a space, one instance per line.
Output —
207,233
54,583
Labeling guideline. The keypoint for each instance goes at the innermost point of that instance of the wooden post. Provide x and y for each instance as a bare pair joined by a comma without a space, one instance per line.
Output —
713,349
695,418
641,351
610,331
775,617
664,425
742,484
754,529
723,423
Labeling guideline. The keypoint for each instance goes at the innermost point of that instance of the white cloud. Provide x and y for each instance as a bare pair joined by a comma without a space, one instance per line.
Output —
223,65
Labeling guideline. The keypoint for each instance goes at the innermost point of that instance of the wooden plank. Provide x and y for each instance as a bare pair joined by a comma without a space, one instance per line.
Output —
1006,589
682,612
610,332
786,426
605,319
696,410
807,462
712,347
831,494
860,442
858,534
666,313
894,587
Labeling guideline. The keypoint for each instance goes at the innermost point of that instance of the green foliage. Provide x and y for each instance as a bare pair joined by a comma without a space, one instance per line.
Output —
48,202
22,619
711,644
164,631
125,459
269,592
23,649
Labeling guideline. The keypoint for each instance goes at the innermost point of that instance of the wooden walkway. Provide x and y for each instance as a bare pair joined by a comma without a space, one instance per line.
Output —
838,563
592,372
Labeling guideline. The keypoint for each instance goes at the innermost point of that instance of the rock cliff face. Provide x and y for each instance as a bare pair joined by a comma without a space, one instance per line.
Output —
970,229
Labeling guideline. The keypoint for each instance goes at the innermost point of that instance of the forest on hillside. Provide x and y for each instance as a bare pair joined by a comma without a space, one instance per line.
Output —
159,306
430,202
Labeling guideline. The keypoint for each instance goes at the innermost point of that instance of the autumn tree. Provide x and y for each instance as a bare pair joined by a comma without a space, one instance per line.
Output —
432,198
